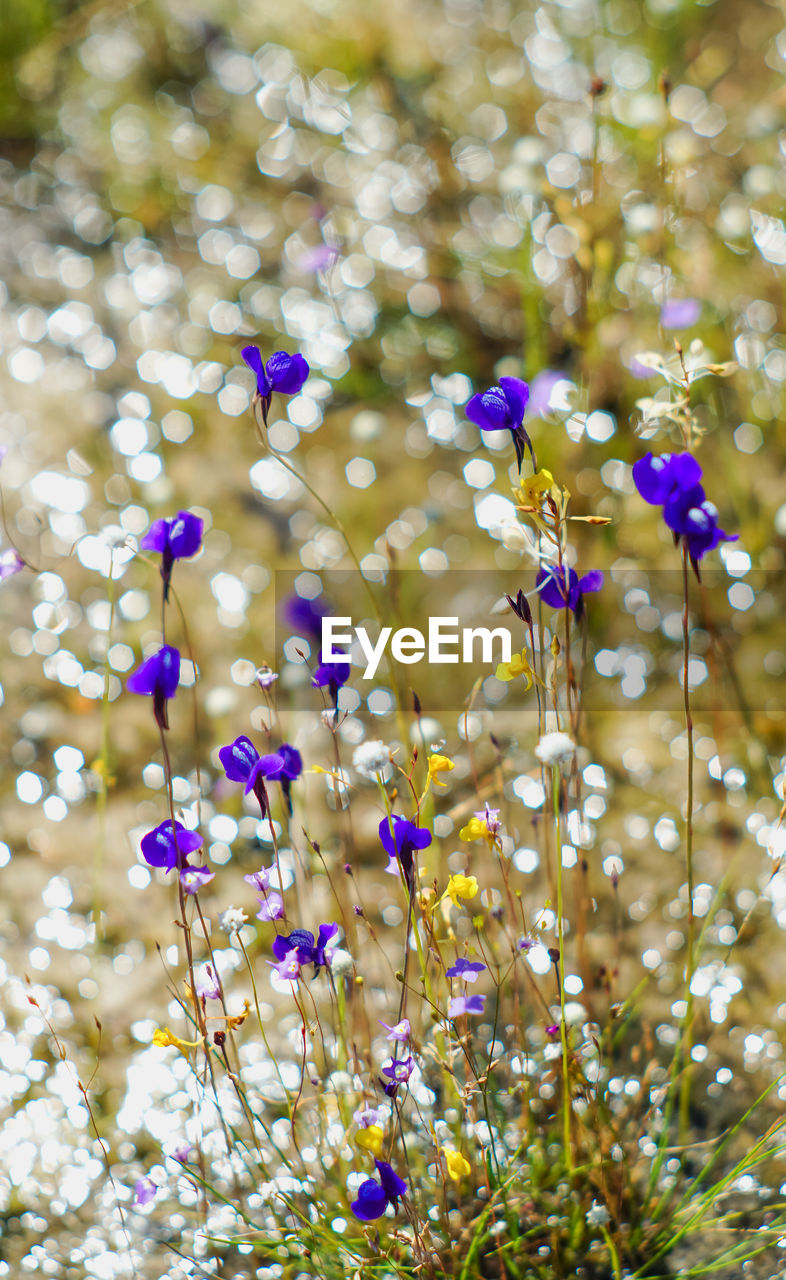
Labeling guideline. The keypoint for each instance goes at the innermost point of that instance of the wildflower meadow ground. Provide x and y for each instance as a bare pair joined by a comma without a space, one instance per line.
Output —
391,584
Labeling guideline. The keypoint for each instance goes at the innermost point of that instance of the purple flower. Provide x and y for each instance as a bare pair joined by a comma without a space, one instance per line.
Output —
144,1191
195,878
162,847
243,763
542,400
490,817
501,408
367,1116
397,1071
672,481
208,986
282,373
680,313
468,970
466,1004
175,539
400,838
318,258
562,588
305,616
10,563
158,677
288,966
374,1197
659,479
331,675
309,950
271,907
260,880
697,522
399,1031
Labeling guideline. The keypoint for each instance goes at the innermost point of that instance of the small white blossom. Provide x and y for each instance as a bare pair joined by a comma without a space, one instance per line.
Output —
598,1215
340,961
371,759
232,920
555,748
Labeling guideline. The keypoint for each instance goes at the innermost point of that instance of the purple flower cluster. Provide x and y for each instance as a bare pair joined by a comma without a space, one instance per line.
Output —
672,481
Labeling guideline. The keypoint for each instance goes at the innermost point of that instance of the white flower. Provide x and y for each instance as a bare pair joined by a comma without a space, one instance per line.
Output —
555,748
598,1215
232,920
340,961
372,758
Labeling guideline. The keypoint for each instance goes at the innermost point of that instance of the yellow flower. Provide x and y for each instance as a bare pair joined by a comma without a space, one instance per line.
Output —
533,488
437,764
458,1167
475,829
371,1139
163,1038
518,666
461,886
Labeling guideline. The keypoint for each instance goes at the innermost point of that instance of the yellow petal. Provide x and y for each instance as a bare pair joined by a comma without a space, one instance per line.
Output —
371,1139
458,1167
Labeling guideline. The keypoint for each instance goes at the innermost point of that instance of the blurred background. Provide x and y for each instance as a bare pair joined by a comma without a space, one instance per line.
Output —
419,197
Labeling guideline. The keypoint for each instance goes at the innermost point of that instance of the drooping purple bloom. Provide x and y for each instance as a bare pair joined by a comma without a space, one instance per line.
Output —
374,1197
467,970
397,1071
562,588
501,408
10,563
158,677
460,1005
680,313
310,950
400,838
175,539
283,373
